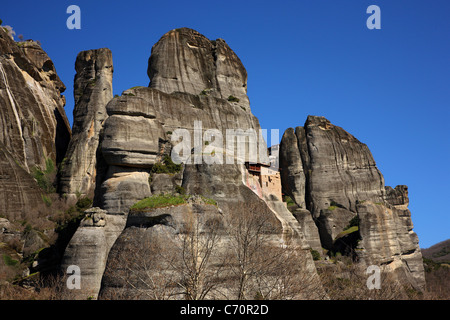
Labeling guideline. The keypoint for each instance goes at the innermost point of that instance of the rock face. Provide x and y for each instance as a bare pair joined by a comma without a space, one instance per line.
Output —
88,250
208,67
135,250
92,91
33,126
333,175
196,85
195,109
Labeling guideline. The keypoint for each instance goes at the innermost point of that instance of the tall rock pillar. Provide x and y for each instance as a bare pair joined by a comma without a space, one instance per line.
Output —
92,91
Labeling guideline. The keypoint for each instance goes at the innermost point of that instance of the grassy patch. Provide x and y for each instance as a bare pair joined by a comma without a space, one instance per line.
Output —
348,231
209,201
288,200
354,222
166,200
10,261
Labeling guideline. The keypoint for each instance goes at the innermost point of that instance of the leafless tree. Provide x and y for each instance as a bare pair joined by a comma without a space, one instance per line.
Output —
240,255
198,262
344,280
263,265
136,271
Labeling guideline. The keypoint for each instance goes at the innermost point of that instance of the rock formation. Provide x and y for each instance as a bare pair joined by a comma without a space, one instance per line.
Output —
193,82
34,129
193,64
92,91
123,150
331,174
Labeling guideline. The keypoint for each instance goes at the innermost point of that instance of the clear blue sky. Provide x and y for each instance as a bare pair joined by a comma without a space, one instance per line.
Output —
390,88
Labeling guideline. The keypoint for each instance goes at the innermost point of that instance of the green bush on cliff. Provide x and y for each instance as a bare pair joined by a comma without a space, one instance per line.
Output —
233,99
315,254
45,179
354,222
9,261
166,166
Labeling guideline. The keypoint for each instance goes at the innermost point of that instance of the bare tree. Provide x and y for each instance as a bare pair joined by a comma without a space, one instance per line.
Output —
198,262
240,255
136,270
345,280
263,265
164,263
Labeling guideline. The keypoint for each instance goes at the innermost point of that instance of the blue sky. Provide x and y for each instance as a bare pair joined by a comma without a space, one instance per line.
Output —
390,88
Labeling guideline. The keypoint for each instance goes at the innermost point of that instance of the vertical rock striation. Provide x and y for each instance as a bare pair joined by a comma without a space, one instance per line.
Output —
193,81
92,91
335,176
34,129
184,60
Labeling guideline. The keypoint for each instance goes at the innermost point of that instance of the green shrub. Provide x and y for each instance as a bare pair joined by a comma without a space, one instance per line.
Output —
354,222
315,254
10,261
233,99
45,179
47,200
27,229
166,166
206,92
209,201
180,190
83,203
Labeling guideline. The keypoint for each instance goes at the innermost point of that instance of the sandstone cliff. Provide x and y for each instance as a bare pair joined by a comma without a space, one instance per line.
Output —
92,91
331,174
120,153
192,80
34,129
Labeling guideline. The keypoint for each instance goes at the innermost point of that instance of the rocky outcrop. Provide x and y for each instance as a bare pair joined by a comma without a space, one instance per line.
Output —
19,192
196,85
33,121
184,60
387,240
34,129
120,153
140,264
92,91
335,177
88,250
